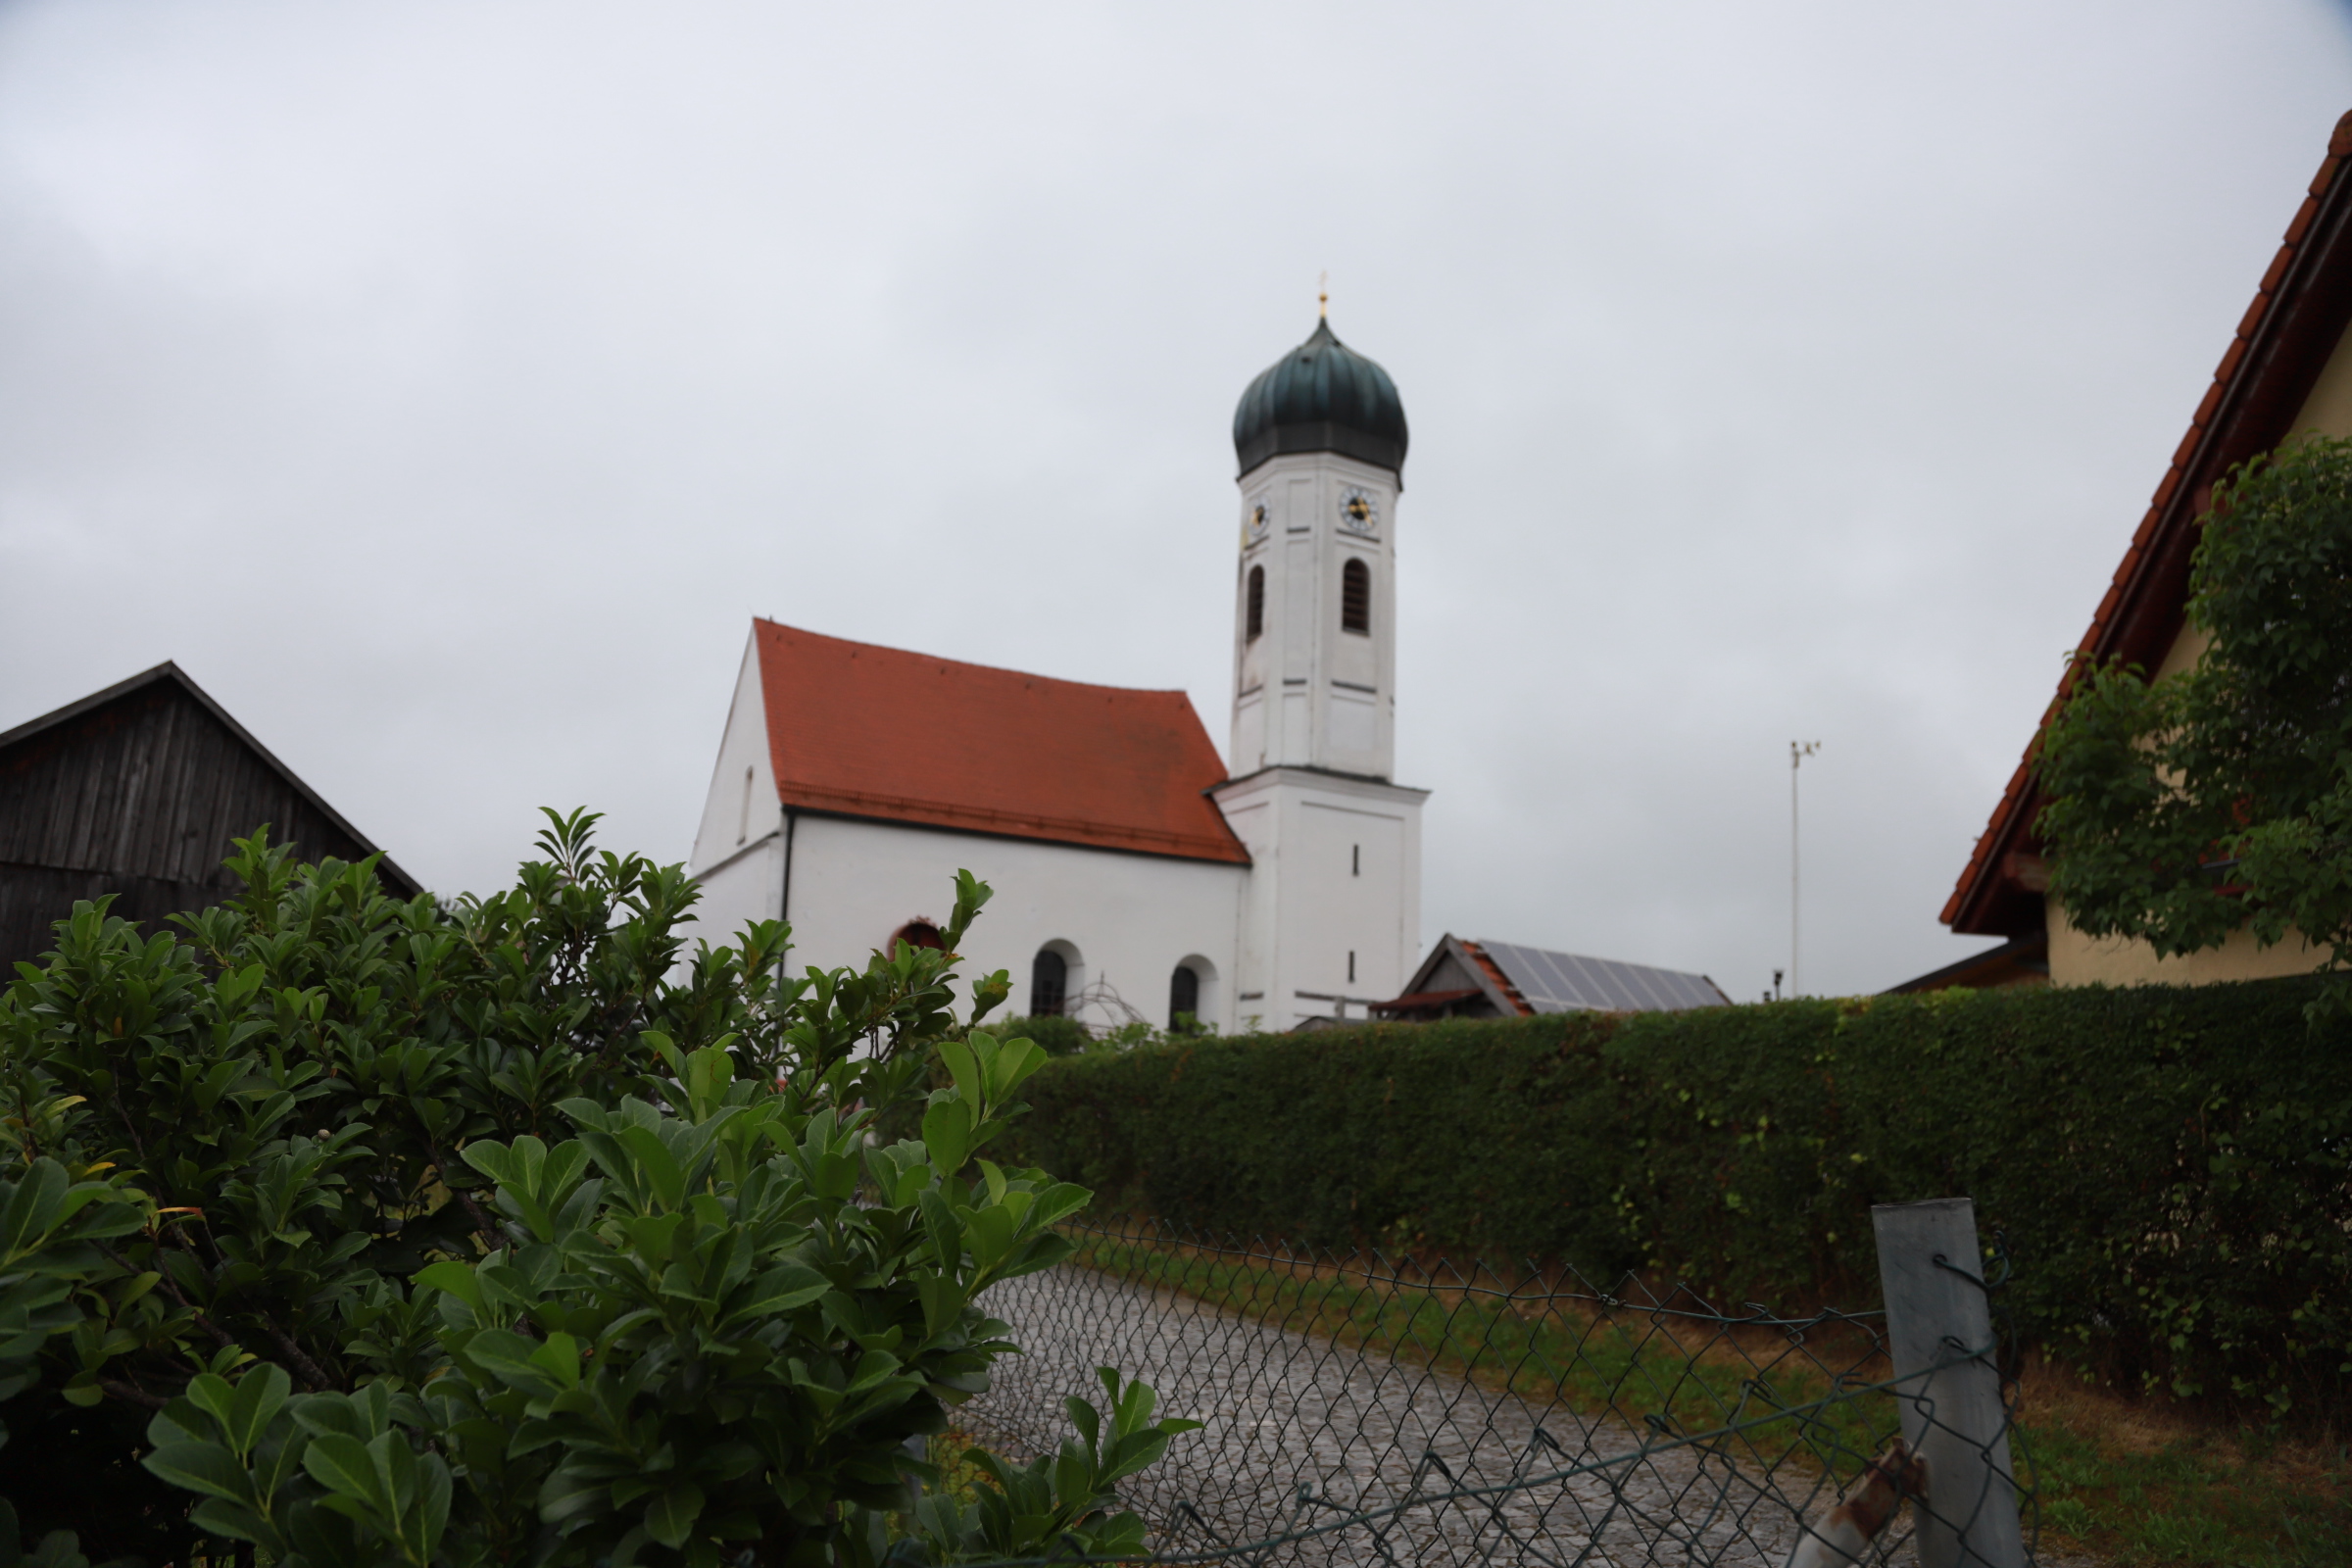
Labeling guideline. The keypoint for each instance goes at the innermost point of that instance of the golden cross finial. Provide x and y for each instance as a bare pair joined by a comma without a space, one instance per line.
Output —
1323,296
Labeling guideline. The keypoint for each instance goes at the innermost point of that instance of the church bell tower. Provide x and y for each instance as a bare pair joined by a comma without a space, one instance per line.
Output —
1321,441
1332,920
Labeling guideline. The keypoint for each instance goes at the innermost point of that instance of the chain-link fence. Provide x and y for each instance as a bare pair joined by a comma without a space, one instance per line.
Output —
1360,1409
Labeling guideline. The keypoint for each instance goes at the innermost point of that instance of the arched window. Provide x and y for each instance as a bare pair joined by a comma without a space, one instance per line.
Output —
1048,983
1257,602
1184,997
916,933
1356,597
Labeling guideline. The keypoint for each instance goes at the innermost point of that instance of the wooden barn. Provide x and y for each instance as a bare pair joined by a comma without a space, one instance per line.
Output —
137,791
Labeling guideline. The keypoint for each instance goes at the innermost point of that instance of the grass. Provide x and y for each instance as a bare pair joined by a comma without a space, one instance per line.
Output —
959,1476
2142,1484
2129,1483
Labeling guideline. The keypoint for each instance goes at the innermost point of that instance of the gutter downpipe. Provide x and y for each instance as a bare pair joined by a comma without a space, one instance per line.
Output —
784,894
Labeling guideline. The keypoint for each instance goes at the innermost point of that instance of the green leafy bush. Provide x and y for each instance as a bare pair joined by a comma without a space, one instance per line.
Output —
2173,1167
2183,810
512,1233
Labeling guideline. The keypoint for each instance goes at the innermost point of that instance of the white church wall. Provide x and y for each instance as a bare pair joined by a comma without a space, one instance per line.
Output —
1249,733
1338,873
738,847
1129,918
741,806
742,888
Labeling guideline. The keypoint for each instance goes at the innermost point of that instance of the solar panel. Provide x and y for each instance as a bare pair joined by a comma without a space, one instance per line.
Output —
1565,982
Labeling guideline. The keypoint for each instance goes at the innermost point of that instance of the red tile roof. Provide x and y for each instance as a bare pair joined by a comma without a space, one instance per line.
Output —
2283,343
873,732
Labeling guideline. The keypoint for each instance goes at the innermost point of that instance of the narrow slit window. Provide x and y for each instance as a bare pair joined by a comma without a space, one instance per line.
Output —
1356,597
1351,966
1356,860
743,828
1256,614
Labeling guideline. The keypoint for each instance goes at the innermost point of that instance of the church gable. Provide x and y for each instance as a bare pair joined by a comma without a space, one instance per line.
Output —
880,733
742,809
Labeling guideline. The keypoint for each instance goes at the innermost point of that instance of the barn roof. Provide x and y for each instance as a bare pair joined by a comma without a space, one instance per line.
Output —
62,726
2281,344
859,731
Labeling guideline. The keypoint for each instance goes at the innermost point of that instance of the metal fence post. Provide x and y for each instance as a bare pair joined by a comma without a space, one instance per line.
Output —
1932,1273
917,1449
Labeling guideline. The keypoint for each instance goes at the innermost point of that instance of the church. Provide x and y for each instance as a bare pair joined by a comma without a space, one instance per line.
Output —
1135,878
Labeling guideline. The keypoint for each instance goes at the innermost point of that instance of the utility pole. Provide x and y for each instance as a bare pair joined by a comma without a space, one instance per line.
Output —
1798,751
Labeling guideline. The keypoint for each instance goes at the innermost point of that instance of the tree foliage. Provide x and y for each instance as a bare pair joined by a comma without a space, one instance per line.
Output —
512,1232
2185,808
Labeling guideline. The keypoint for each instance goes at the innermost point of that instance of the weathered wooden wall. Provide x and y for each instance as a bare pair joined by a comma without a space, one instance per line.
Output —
140,796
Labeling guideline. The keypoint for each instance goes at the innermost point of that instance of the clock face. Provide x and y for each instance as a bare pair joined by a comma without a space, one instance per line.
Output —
1358,512
1256,524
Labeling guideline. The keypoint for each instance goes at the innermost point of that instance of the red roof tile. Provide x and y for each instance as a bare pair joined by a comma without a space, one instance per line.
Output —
873,732
2281,344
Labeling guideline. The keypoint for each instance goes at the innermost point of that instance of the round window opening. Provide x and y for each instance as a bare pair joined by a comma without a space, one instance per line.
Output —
918,933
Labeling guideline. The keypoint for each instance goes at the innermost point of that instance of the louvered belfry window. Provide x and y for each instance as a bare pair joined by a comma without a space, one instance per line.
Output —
1257,602
1356,597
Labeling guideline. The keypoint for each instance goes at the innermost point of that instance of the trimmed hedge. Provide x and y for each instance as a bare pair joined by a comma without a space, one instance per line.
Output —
1058,1035
2168,1164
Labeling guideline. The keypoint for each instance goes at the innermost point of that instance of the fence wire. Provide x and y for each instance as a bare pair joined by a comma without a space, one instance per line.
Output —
1359,1409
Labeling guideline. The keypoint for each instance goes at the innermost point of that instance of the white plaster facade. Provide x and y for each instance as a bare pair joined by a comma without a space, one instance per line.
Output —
1331,916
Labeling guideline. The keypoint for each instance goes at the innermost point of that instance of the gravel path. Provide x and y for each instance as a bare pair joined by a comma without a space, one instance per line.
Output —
1286,1410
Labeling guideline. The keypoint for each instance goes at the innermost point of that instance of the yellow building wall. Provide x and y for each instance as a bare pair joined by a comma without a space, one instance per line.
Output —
2077,960
2328,409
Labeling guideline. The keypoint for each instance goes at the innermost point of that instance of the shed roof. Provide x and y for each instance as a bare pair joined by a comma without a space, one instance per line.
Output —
1566,982
864,731
2281,344
1527,981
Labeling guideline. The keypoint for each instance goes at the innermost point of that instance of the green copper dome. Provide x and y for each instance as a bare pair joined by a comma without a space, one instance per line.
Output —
1321,397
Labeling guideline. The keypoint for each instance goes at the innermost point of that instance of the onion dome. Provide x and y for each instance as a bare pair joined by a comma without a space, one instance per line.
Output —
1321,397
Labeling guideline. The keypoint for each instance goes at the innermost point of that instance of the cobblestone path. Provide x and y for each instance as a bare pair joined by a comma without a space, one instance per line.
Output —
1286,1410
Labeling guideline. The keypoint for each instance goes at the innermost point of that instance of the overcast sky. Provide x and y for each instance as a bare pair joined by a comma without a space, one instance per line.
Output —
445,386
